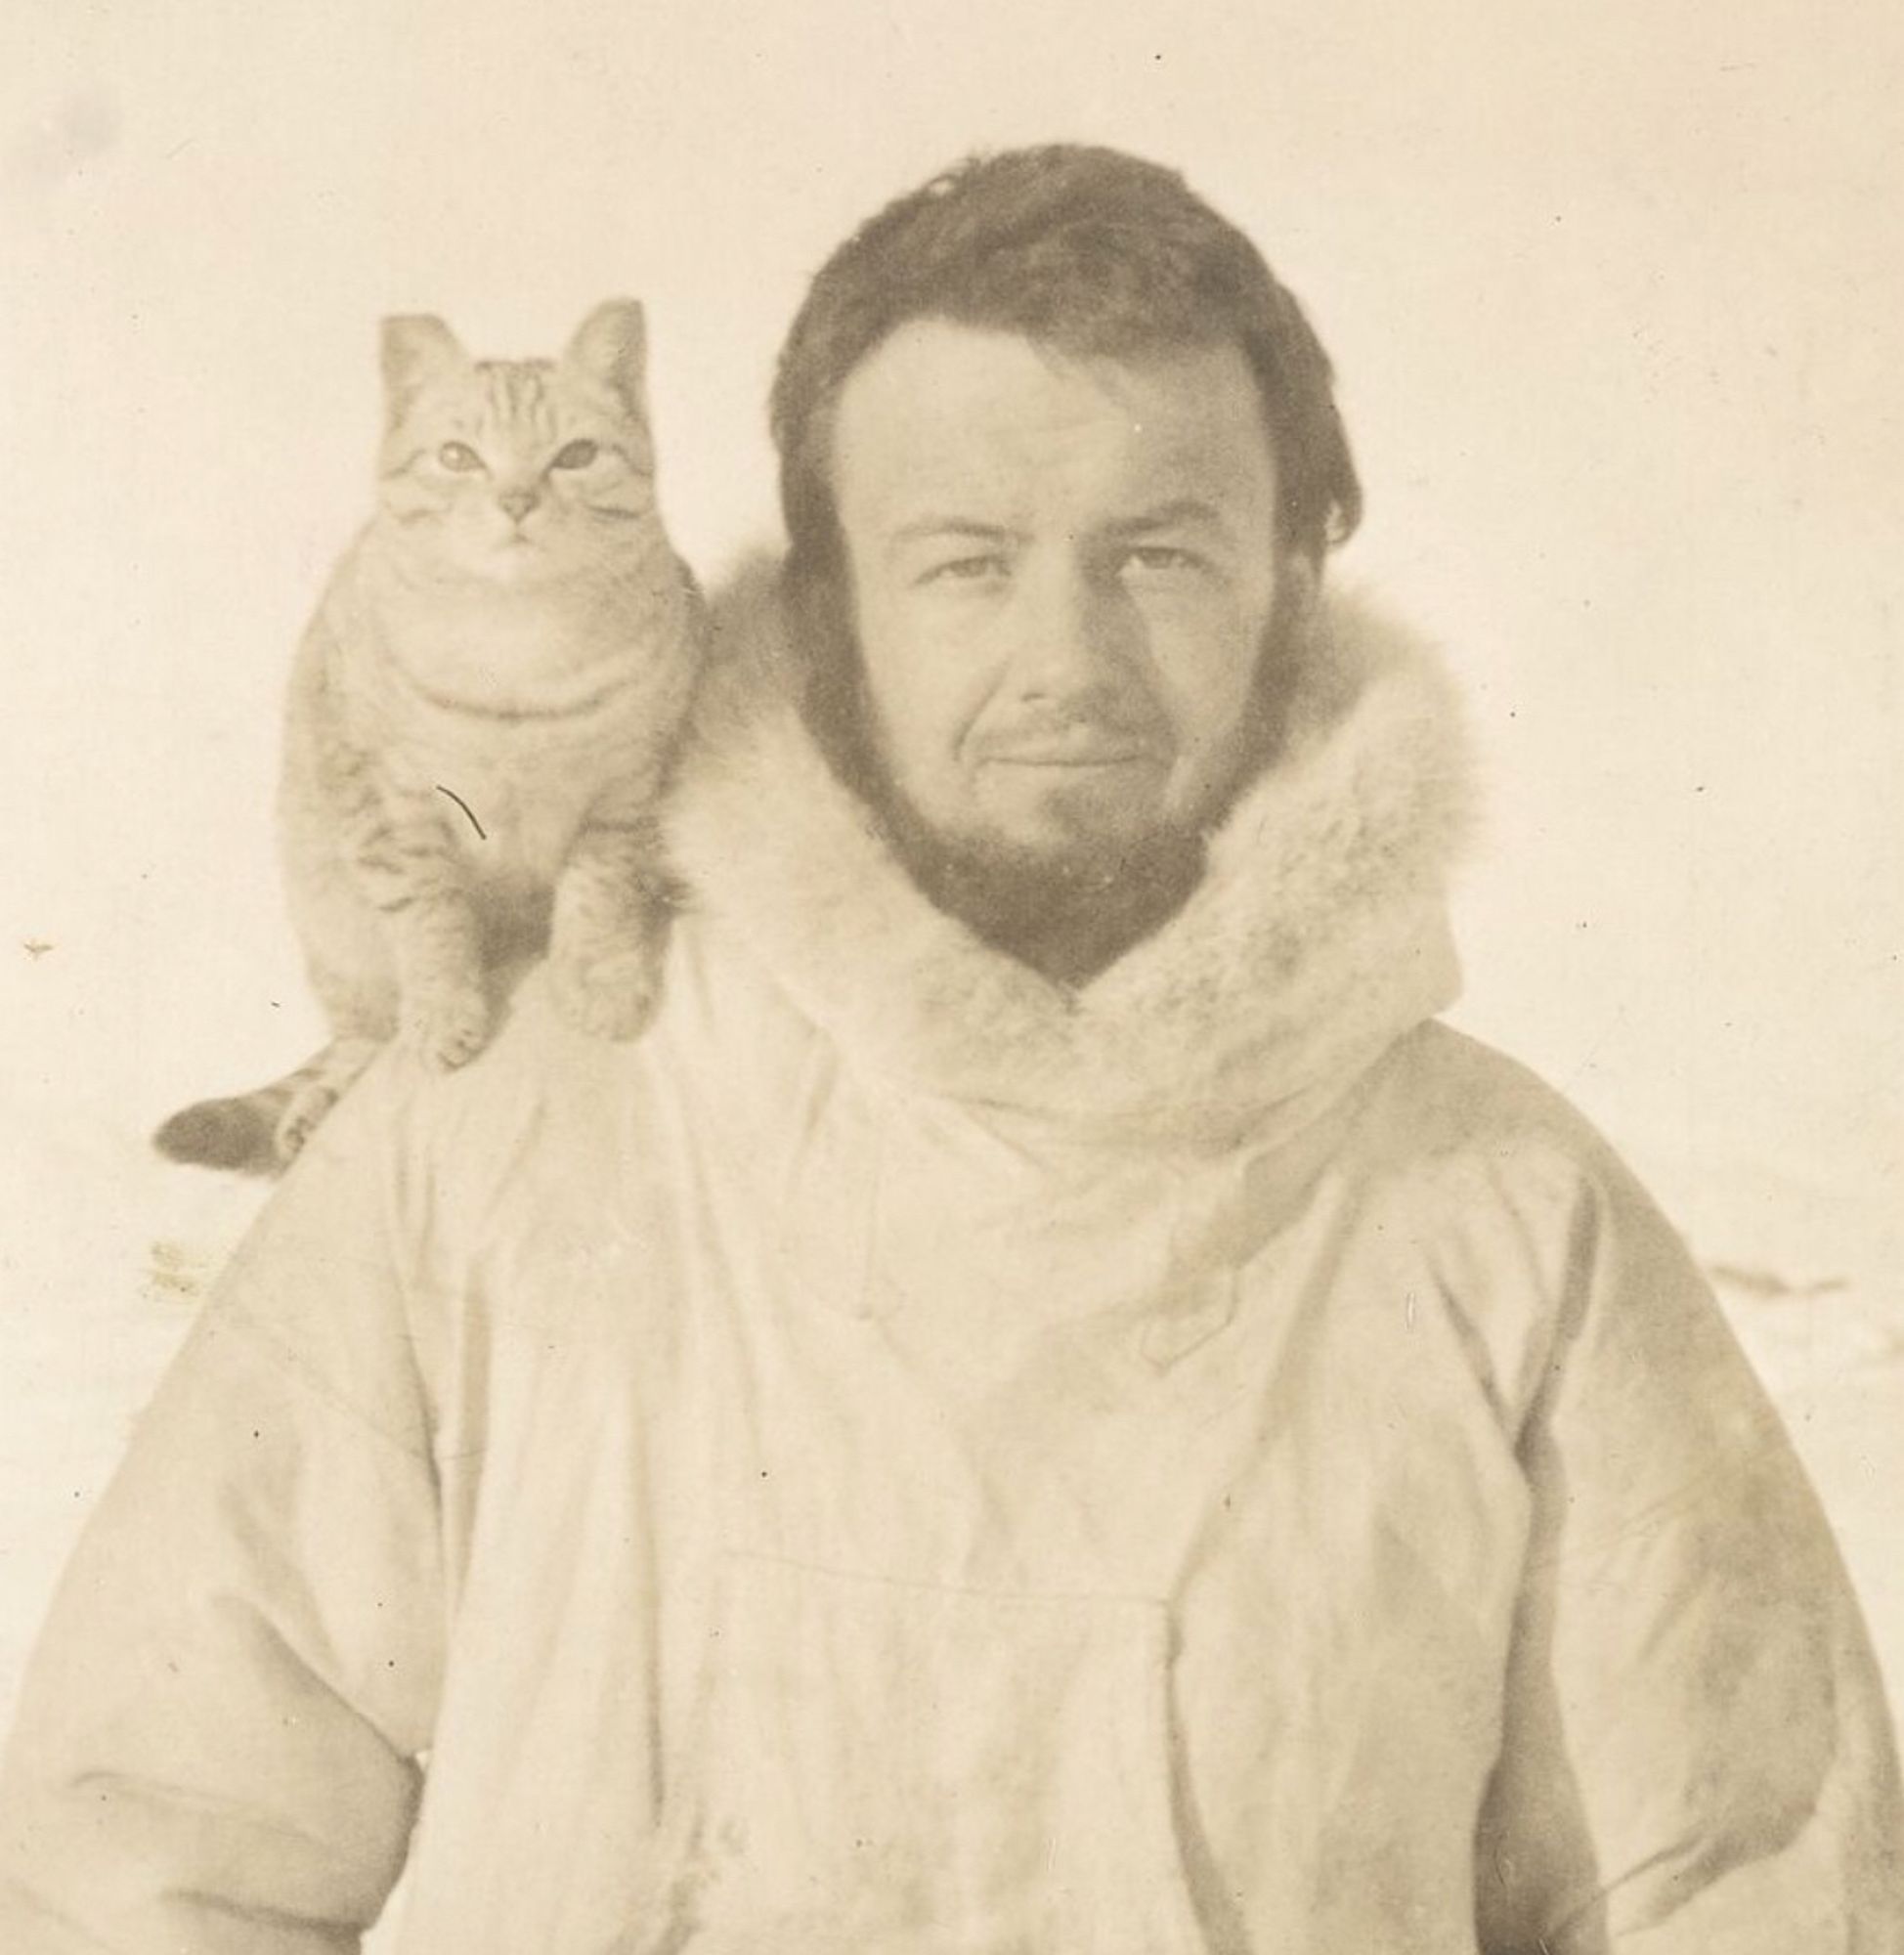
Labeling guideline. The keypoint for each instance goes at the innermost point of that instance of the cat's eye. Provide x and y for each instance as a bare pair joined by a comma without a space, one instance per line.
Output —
460,456
577,454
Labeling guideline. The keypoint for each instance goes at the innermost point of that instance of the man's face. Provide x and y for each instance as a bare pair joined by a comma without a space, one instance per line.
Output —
1062,572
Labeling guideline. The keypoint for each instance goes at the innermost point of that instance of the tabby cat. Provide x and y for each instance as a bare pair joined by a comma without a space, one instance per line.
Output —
481,719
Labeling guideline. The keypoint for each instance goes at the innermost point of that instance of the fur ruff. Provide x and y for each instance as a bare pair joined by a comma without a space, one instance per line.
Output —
1316,936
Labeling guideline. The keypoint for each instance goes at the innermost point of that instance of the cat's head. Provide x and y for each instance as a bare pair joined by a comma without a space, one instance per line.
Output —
517,470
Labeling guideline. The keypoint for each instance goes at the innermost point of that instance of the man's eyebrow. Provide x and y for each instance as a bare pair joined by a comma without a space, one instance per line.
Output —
924,529
957,525
1186,509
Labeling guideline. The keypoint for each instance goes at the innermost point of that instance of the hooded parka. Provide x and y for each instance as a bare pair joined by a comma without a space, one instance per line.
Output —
912,1459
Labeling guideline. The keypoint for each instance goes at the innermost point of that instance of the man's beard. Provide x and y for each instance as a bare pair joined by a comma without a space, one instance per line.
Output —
1071,911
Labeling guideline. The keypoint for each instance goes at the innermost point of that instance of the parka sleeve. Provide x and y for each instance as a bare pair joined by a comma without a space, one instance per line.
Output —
218,1738
1697,1754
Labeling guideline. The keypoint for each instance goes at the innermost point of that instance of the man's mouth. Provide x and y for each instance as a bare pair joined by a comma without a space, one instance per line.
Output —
1093,753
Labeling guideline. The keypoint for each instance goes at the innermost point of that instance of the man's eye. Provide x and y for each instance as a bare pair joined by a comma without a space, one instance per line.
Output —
977,569
460,456
1161,559
577,454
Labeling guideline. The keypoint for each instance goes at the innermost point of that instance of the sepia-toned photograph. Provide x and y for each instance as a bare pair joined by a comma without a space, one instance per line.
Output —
953,981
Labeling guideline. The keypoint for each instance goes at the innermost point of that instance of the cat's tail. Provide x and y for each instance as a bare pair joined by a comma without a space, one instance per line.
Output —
261,1132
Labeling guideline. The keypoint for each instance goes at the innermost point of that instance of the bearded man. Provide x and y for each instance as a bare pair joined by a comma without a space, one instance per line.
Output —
1046,1405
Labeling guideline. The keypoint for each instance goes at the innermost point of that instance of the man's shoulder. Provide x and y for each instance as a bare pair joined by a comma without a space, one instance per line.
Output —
1525,1219
1450,1105
553,1115
1471,1088
444,1152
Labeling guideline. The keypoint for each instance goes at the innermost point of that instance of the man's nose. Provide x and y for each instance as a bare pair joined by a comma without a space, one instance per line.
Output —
516,503
1075,632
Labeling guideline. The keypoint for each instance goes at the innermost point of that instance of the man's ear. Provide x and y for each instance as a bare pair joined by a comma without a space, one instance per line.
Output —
1292,640
1304,570
1299,590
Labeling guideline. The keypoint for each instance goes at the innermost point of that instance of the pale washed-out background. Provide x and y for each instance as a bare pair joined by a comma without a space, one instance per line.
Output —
1615,296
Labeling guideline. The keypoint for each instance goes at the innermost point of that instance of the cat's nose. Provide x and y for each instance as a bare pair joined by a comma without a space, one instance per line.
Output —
517,502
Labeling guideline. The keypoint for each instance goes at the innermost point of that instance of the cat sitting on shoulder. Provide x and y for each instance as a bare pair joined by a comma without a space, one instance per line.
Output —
481,719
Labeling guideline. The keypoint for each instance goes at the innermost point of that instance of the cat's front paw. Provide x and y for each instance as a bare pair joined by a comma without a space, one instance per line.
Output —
448,1027
611,996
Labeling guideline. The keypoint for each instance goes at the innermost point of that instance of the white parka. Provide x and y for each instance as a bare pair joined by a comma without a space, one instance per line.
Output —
911,1461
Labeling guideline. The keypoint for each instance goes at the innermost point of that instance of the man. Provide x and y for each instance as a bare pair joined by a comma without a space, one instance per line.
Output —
1045,1405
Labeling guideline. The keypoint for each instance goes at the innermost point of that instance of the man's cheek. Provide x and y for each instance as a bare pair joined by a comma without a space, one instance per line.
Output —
923,730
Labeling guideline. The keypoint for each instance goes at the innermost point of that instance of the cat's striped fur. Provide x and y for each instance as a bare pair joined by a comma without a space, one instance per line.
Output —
481,719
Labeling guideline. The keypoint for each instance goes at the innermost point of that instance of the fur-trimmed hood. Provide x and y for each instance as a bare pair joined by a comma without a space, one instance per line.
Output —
1316,936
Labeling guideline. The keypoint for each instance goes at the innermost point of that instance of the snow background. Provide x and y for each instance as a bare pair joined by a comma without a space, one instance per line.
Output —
1614,294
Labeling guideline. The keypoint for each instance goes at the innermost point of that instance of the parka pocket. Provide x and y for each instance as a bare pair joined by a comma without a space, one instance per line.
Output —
893,1769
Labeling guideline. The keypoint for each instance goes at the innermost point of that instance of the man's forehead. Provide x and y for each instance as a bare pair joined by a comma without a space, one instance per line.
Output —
940,409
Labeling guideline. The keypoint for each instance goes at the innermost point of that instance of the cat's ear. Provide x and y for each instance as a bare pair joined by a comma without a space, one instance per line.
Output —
611,348
418,349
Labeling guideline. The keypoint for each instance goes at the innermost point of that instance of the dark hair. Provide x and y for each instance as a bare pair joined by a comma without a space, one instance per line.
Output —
1092,253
